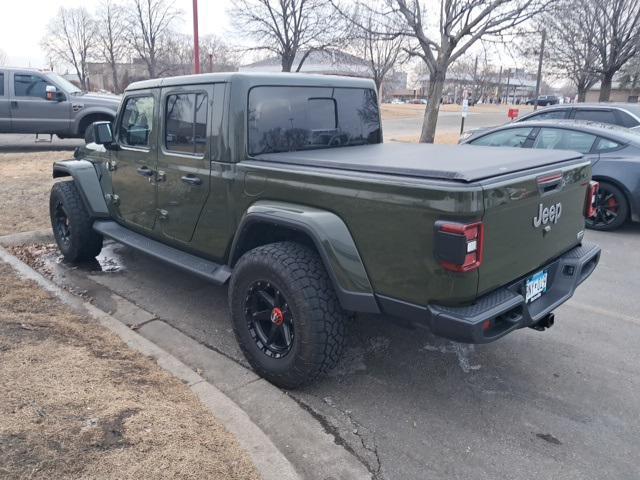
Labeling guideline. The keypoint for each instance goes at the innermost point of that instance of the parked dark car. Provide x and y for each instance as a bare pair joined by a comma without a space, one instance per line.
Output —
621,114
614,153
544,100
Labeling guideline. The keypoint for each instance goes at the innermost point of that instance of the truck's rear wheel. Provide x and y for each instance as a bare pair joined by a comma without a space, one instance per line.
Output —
286,315
71,223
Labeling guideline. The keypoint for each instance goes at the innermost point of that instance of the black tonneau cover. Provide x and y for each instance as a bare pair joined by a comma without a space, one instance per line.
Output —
464,163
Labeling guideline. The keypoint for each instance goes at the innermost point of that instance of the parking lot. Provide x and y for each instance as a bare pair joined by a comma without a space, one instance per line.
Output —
560,404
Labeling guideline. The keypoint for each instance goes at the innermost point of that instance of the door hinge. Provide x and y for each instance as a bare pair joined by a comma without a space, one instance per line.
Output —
161,176
112,199
112,165
162,214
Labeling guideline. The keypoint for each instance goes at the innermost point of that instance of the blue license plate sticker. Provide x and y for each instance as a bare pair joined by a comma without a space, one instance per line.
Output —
535,286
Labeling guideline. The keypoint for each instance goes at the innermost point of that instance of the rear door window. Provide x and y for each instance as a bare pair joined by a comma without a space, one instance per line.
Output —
186,123
136,122
512,137
285,119
602,116
561,139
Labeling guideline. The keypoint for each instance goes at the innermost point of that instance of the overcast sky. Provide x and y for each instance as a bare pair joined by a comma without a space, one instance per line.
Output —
23,24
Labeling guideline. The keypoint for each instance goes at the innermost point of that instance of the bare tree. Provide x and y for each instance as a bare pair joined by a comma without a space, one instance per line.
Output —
216,55
376,41
617,38
113,46
457,26
71,38
149,30
287,28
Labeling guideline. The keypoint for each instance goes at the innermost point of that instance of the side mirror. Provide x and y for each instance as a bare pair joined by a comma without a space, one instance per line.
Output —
52,93
99,133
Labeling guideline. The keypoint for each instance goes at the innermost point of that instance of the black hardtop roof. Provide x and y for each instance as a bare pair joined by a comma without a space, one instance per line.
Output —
463,163
250,79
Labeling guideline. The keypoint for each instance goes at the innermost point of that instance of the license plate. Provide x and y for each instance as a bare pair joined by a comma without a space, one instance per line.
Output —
536,285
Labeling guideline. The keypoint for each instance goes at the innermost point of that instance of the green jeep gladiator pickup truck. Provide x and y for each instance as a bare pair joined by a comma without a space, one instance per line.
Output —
280,186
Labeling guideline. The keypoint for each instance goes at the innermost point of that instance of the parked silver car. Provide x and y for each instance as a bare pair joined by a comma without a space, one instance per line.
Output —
36,101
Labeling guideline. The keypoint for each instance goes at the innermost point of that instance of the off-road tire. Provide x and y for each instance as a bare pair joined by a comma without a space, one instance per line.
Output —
81,243
318,319
622,209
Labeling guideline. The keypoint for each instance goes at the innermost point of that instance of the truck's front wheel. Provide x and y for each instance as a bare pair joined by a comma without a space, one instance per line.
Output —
286,315
71,224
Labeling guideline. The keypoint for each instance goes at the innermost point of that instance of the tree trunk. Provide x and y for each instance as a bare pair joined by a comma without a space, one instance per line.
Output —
582,94
287,61
605,87
436,86
116,83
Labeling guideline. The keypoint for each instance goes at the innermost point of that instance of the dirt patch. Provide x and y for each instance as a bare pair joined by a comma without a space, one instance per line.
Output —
25,181
78,403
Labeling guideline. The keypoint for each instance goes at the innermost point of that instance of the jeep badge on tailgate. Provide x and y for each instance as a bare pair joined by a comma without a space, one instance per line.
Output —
548,214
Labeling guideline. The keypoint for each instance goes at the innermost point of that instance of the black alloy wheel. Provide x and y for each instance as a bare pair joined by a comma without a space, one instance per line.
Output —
61,224
269,319
611,206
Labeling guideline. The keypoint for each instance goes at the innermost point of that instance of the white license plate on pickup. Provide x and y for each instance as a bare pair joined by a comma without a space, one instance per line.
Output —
535,286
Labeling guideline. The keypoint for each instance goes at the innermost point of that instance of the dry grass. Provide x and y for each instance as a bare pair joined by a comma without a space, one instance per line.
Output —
25,181
77,403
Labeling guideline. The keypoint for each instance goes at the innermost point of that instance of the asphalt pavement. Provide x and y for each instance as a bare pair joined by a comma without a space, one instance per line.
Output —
27,143
448,122
562,404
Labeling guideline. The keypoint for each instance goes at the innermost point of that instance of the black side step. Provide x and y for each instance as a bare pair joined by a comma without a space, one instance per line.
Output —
206,269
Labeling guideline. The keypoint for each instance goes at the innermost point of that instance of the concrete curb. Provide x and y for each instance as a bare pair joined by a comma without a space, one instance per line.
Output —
269,461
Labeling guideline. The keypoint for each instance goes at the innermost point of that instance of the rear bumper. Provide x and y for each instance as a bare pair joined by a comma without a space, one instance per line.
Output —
504,310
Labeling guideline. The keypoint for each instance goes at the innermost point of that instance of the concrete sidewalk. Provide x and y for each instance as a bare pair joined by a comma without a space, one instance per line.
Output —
284,439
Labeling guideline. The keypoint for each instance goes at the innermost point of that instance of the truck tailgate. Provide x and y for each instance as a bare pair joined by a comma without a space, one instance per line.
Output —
531,219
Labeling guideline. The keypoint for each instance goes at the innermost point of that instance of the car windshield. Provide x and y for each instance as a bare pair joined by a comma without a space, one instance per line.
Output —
63,83
286,119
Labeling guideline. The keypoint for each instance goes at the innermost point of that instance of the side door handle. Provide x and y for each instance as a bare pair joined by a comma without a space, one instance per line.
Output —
191,180
145,171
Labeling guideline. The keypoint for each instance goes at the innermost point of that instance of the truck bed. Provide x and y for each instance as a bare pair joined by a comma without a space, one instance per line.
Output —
440,162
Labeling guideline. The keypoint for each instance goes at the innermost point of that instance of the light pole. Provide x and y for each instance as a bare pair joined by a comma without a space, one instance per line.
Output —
196,39
539,78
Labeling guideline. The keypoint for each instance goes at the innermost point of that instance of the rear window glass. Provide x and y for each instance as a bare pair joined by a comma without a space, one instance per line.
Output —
186,123
285,119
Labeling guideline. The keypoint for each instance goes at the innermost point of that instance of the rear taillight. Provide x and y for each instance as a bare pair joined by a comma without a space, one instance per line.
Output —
590,201
459,247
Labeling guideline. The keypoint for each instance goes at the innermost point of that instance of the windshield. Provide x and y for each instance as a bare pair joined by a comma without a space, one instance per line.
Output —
64,84
286,119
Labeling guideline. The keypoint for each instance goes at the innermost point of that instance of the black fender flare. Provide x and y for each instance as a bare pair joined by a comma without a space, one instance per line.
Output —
86,178
332,240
